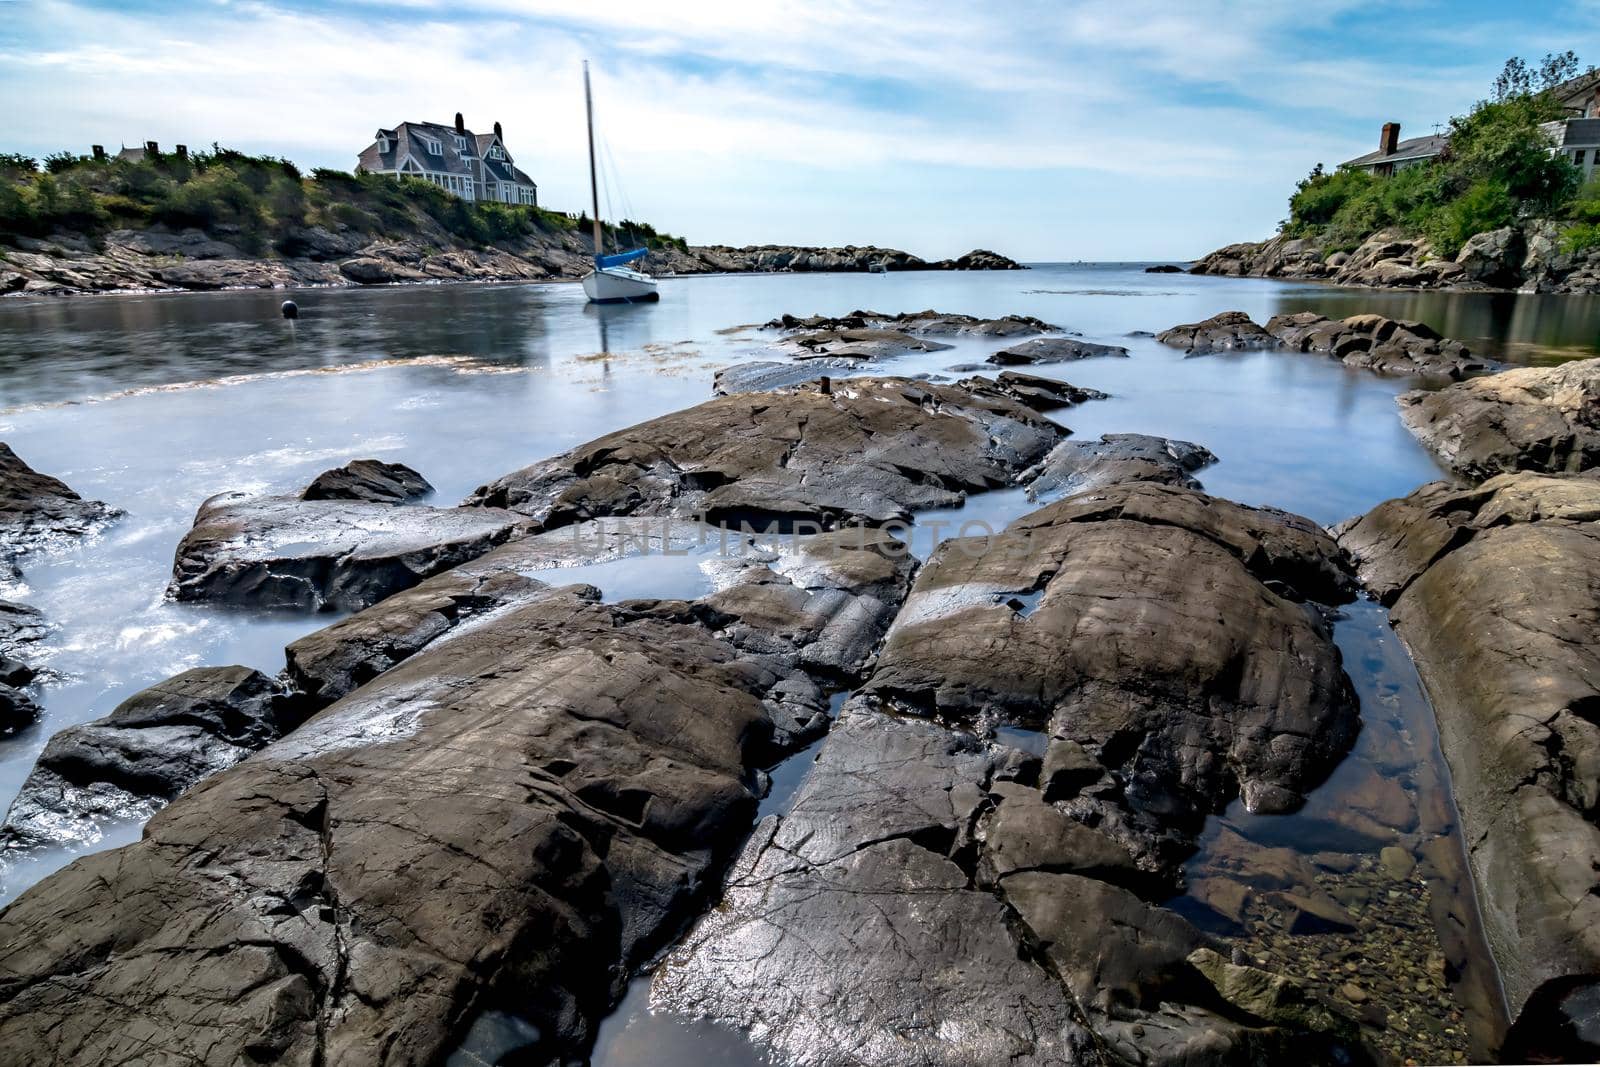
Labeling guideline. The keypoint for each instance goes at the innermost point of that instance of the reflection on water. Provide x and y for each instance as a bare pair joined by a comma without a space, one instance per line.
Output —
465,383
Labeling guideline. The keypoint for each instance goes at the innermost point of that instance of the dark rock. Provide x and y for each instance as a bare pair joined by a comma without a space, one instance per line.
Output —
1529,418
851,932
1053,350
1493,593
324,555
873,450
1164,268
1079,466
1229,330
862,344
15,673
1373,342
1313,912
370,480
509,820
979,259
20,625
152,747
1040,394
17,710
1155,640
35,508
919,323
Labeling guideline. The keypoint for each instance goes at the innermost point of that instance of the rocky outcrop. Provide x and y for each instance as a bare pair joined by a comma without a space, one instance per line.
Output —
1231,686
1373,342
1494,594
763,375
872,450
152,747
156,258
1528,257
324,555
36,509
1529,418
371,480
18,710
859,345
1079,466
510,816
1013,892
1053,350
1040,394
1223,332
920,323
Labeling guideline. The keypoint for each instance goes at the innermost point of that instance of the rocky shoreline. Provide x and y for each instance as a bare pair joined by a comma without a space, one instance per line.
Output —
1527,258
488,795
158,260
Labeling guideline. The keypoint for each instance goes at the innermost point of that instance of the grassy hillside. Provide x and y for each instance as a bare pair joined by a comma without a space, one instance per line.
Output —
260,204
1497,170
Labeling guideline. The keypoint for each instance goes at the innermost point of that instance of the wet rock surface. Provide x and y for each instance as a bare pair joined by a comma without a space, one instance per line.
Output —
1053,350
152,747
36,508
872,450
1163,632
371,480
917,323
764,375
1040,394
921,903
1377,343
1493,590
1528,418
1223,332
575,770
318,555
1079,466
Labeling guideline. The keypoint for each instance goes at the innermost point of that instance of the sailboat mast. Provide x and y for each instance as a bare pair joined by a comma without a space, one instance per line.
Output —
594,186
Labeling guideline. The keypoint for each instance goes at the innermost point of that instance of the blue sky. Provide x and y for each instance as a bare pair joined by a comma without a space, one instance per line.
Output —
1108,129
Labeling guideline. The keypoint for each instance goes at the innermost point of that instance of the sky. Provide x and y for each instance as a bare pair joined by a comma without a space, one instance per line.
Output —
1080,129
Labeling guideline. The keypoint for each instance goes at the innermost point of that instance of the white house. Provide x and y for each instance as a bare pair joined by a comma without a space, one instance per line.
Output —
471,166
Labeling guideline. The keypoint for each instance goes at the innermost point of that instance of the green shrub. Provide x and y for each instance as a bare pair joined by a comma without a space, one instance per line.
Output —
1581,238
1485,206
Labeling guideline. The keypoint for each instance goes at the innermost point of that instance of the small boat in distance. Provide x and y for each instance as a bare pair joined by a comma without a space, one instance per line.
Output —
612,281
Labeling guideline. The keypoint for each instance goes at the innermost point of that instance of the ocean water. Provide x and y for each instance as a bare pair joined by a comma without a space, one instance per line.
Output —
155,402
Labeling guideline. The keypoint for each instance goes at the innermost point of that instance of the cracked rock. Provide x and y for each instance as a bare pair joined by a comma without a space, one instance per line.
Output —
1078,466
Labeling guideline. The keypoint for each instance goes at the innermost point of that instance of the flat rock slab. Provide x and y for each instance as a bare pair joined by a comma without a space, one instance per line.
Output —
152,747
371,480
324,555
1228,331
925,323
1531,418
36,508
1496,592
1054,350
915,907
862,344
873,450
1373,342
510,820
1161,631
764,375
1041,394
1079,466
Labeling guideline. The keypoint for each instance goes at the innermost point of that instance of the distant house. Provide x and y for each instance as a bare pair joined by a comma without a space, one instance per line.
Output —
1394,154
469,165
1577,137
150,150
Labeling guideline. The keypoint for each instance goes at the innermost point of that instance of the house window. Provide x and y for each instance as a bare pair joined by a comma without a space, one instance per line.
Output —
497,152
1577,157
434,148
461,145
466,187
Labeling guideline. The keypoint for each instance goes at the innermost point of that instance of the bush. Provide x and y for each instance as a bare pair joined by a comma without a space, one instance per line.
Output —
1485,206
1581,238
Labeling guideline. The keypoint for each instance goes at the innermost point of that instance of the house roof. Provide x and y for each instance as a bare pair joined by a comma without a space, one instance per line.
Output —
1409,149
411,138
1580,133
1576,92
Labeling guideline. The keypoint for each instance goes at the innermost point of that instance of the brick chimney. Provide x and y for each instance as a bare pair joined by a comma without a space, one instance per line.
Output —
1389,140
99,151
183,151
151,148
497,130
461,124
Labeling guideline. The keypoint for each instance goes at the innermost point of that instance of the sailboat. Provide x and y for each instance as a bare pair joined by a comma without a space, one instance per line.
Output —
612,281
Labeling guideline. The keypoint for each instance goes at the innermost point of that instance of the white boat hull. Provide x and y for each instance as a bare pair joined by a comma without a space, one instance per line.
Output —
619,285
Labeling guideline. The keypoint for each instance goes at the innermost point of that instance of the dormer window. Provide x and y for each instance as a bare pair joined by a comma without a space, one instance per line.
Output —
461,146
497,152
434,147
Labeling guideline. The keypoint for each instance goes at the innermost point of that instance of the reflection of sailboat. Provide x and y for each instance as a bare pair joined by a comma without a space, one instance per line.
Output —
612,281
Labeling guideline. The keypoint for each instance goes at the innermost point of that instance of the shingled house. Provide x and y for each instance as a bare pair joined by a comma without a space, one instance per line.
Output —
469,165
1577,137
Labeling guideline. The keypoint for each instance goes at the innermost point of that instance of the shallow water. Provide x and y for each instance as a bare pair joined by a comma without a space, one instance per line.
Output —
153,403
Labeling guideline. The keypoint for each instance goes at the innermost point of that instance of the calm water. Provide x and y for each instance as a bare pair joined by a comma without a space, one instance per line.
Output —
154,403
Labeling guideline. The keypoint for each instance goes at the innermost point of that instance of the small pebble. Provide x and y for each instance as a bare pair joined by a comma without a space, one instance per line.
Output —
1353,993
